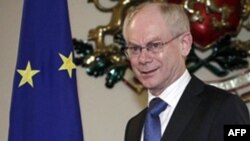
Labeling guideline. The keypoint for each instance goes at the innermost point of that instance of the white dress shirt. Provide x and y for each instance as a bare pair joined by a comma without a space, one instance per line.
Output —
171,95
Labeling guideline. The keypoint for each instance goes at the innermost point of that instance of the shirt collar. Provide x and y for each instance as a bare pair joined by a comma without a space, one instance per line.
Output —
172,93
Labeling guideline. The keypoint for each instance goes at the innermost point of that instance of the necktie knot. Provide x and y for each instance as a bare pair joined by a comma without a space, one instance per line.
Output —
156,106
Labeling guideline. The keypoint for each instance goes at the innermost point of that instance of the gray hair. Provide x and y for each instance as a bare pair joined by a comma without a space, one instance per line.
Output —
173,14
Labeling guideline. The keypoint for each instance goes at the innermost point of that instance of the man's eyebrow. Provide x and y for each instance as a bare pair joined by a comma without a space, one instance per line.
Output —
151,41
132,44
154,40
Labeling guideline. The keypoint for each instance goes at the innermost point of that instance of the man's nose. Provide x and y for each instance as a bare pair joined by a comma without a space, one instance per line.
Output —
144,56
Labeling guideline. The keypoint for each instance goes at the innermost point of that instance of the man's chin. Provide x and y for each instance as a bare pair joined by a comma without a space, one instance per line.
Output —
147,84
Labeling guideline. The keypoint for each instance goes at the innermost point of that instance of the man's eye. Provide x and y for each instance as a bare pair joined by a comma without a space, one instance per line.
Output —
154,45
135,49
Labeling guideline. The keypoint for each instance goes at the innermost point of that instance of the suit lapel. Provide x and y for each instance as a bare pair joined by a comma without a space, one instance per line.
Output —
184,110
136,126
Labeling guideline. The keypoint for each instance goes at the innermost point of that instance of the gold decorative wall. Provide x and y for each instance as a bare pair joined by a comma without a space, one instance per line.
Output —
215,25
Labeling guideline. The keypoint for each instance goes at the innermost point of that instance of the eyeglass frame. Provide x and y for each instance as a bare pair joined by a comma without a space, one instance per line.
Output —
150,47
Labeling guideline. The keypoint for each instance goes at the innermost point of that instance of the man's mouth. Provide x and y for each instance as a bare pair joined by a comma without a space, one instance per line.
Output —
148,72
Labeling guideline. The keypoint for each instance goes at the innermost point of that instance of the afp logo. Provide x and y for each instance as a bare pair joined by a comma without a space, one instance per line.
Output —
237,132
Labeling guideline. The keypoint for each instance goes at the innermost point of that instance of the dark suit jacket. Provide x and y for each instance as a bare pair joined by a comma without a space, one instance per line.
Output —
199,116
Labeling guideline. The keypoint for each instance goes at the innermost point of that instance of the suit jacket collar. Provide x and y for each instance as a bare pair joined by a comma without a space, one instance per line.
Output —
137,125
184,110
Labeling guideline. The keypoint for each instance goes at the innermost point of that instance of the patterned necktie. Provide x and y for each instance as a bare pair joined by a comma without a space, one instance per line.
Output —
152,126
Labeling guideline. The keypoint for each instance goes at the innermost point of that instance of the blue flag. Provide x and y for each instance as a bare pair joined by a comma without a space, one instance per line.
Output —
45,104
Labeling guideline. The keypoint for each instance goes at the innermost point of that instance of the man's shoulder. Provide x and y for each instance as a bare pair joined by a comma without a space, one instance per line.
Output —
212,93
136,122
139,116
209,90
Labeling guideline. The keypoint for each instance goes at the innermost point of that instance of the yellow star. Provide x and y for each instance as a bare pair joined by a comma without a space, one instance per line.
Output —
27,75
67,64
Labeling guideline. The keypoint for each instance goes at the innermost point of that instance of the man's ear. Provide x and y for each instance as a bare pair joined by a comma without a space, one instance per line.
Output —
186,43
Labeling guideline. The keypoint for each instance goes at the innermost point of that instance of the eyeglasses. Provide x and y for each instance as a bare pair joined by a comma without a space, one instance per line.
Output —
154,47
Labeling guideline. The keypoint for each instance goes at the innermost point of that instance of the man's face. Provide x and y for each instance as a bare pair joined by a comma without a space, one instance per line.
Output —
155,71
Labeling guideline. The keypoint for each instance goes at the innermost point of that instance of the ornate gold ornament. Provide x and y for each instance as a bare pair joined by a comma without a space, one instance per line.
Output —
214,25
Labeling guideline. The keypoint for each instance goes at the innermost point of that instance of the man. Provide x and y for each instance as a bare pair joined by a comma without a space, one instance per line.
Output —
158,41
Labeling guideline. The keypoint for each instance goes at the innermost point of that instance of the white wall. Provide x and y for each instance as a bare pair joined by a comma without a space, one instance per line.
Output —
10,16
104,111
